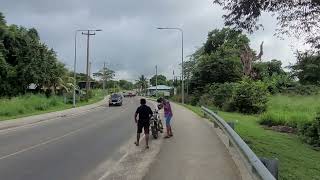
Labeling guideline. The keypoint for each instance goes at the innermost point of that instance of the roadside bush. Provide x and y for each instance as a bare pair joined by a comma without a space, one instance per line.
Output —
191,99
304,90
221,94
310,131
176,98
250,96
206,100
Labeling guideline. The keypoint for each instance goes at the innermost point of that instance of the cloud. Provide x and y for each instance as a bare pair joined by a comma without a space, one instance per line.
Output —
130,43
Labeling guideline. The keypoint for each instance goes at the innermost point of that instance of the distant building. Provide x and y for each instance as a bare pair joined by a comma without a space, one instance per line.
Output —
162,89
82,84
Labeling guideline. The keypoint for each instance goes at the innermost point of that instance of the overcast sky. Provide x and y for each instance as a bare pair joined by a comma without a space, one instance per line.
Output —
130,43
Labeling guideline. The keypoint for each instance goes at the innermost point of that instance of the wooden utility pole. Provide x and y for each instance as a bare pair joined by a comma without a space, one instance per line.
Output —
88,34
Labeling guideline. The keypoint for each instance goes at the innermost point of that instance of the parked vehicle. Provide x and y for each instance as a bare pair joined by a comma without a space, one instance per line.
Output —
116,99
156,124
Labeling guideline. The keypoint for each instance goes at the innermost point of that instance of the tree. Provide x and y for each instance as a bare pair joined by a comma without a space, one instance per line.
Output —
104,74
142,83
307,69
247,57
161,80
295,18
24,60
218,61
263,70
126,85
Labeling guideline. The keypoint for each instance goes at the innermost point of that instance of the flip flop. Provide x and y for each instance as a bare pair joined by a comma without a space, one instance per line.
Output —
166,137
136,143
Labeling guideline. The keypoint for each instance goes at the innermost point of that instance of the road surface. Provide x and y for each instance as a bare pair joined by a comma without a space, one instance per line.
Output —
195,152
79,147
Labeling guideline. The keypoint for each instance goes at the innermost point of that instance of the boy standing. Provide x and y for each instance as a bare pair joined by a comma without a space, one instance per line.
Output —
143,122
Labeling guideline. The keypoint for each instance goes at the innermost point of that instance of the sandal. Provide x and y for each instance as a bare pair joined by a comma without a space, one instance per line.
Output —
147,147
137,144
166,137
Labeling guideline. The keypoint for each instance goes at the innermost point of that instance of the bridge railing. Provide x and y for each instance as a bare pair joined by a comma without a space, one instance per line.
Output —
257,167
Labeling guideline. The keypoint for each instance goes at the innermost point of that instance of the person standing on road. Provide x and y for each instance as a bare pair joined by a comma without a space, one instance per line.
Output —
143,122
165,104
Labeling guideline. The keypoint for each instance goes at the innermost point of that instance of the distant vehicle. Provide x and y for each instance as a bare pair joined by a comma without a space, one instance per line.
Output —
129,94
115,99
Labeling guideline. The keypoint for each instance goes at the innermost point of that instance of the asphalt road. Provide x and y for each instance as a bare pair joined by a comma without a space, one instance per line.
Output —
69,148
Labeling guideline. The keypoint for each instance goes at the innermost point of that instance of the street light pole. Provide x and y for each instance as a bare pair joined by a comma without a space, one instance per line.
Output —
182,79
75,63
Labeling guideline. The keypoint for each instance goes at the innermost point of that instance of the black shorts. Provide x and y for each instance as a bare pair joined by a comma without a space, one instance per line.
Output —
143,124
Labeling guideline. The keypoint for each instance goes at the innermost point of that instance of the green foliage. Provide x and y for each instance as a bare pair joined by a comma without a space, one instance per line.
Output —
162,80
27,104
307,69
291,20
266,143
305,90
263,70
218,61
222,94
126,85
310,131
250,96
30,104
104,74
24,59
290,110
142,84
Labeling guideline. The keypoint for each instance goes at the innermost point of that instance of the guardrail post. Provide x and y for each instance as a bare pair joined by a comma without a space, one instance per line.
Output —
231,124
272,165
215,125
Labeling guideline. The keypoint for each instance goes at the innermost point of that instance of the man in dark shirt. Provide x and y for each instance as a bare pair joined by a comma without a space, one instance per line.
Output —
144,113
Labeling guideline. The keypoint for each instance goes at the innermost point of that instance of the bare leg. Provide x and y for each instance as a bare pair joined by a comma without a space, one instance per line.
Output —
147,140
138,139
170,130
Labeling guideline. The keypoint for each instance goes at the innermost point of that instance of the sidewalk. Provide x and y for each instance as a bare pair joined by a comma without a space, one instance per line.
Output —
12,123
194,152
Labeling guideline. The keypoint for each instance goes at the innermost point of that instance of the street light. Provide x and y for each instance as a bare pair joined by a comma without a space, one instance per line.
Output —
75,61
182,83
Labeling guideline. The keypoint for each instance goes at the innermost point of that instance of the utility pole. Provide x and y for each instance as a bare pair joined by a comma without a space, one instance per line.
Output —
104,77
156,81
87,70
89,75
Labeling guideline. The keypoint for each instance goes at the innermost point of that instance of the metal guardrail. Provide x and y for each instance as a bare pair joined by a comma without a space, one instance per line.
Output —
257,166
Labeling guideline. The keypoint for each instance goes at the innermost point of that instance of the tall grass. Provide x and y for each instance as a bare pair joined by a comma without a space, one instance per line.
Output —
31,104
290,110
28,104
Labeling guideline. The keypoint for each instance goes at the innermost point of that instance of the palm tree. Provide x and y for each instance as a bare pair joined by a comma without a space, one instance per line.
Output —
142,83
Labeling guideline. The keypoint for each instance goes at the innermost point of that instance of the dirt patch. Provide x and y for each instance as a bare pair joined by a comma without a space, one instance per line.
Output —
282,129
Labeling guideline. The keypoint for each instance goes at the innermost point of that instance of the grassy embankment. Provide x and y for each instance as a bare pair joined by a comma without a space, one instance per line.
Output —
291,110
31,104
297,159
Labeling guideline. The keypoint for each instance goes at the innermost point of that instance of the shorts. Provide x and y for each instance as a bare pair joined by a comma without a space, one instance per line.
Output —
143,124
168,119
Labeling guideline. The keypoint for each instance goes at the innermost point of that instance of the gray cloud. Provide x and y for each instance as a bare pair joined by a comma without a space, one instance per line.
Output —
130,42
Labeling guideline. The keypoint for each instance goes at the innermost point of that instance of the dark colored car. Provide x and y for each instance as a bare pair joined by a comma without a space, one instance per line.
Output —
115,99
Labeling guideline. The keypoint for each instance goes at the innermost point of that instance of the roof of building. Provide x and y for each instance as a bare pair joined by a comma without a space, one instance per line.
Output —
160,87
